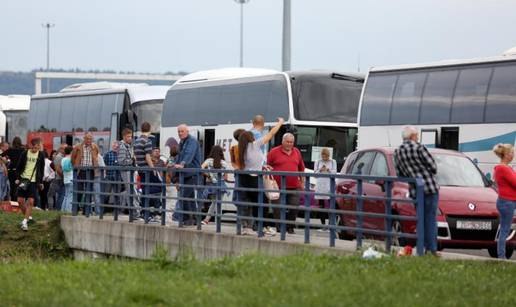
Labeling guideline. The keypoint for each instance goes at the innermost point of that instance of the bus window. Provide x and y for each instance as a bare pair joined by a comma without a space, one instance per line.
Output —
437,97
470,96
376,103
326,99
501,100
406,100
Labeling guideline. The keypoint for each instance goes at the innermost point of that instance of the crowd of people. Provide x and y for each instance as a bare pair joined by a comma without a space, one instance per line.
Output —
33,178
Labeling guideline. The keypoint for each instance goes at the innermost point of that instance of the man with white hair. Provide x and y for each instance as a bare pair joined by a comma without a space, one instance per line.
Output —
413,160
287,158
189,156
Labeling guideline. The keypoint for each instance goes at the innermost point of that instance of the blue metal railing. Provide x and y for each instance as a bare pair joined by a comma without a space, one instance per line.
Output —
139,202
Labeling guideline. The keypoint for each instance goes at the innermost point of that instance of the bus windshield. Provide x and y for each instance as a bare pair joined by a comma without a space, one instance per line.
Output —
310,140
149,111
328,98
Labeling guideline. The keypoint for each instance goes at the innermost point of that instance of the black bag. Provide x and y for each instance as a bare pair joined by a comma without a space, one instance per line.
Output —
25,183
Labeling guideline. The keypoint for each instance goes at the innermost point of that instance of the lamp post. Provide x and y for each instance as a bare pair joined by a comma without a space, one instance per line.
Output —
48,26
242,2
285,50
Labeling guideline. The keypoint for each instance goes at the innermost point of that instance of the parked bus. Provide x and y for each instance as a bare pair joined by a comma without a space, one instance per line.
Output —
102,108
319,107
15,109
464,105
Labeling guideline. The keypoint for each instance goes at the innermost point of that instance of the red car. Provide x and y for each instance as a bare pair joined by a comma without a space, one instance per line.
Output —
467,216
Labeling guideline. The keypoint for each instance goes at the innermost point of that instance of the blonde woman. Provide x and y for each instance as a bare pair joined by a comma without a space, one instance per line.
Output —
505,179
325,165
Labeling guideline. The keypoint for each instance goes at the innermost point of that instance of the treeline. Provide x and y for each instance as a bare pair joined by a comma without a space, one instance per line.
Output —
22,83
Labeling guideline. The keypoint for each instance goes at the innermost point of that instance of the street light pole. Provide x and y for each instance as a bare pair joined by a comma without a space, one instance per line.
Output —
285,59
48,26
242,2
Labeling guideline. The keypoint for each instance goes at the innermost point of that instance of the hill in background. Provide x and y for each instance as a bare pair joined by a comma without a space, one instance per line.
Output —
22,83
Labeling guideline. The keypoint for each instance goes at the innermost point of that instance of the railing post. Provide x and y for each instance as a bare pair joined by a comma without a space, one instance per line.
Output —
360,210
420,213
146,196
180,195
164,198
197,195
130,195
89,191
218,207
75,185
388,215
236,197
101,195
116,187
332,212
260,205
283,201
308,209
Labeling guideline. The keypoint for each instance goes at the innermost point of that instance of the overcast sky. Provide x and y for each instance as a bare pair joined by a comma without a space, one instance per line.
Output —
190,35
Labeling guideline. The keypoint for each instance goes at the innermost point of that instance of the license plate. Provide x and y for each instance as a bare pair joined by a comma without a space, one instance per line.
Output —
474,225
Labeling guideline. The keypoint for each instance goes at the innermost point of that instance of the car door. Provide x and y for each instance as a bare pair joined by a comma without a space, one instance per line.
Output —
360,166
376,188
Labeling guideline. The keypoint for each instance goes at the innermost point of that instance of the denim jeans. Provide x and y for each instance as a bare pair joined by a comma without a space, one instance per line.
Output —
67,199
431,202
506,209
187,205
97,191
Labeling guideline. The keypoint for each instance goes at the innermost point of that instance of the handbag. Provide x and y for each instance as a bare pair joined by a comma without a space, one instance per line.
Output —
270,184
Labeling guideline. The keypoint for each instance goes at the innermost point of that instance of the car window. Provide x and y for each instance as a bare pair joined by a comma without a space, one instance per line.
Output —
349,163
379,167
363,163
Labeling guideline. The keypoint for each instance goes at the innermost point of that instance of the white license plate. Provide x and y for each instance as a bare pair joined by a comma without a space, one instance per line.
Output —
474,225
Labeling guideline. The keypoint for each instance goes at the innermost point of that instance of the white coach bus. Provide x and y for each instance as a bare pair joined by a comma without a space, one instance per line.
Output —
464,105
16,111
319,107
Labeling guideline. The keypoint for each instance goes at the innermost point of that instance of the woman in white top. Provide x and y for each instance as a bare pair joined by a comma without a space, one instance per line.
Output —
251,158
325,165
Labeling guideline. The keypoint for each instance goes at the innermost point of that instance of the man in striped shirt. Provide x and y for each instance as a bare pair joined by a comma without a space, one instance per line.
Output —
143,156
126,158
413,160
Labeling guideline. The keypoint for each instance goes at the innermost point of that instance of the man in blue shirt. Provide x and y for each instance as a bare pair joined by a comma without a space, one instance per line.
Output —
259,131
189,157
111,159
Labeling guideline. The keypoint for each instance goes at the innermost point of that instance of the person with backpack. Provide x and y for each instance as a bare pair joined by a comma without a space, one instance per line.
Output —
29,174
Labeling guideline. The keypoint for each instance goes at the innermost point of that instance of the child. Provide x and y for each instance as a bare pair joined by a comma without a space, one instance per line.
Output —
215,161
66,165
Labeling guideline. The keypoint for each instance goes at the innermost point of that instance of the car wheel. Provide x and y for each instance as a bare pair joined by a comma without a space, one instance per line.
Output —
396,229
344,235
494,253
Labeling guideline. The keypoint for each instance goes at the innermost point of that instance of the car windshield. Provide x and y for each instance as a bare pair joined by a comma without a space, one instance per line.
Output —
457,171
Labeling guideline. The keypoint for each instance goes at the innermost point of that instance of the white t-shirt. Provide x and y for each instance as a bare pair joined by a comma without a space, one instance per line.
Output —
254,157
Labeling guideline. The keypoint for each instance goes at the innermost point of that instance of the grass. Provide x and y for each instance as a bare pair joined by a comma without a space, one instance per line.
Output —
257,280
43,242
36,270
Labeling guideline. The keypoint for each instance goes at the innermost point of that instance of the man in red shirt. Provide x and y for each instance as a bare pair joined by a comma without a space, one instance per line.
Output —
287,158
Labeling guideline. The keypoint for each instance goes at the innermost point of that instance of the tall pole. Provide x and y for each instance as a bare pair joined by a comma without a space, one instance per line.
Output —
242,2
285,60
241,34
48,26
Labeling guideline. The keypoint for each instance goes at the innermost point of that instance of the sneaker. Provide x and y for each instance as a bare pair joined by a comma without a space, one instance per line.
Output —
291,231
204,222
24,226
248,232
268,231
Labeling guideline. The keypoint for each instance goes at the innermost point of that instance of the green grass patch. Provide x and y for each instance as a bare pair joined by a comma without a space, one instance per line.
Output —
43,242
257,280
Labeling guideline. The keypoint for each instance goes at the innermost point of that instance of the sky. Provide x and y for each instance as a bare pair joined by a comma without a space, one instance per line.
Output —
158,36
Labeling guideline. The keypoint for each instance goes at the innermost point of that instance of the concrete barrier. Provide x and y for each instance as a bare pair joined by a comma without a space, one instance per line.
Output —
93,238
